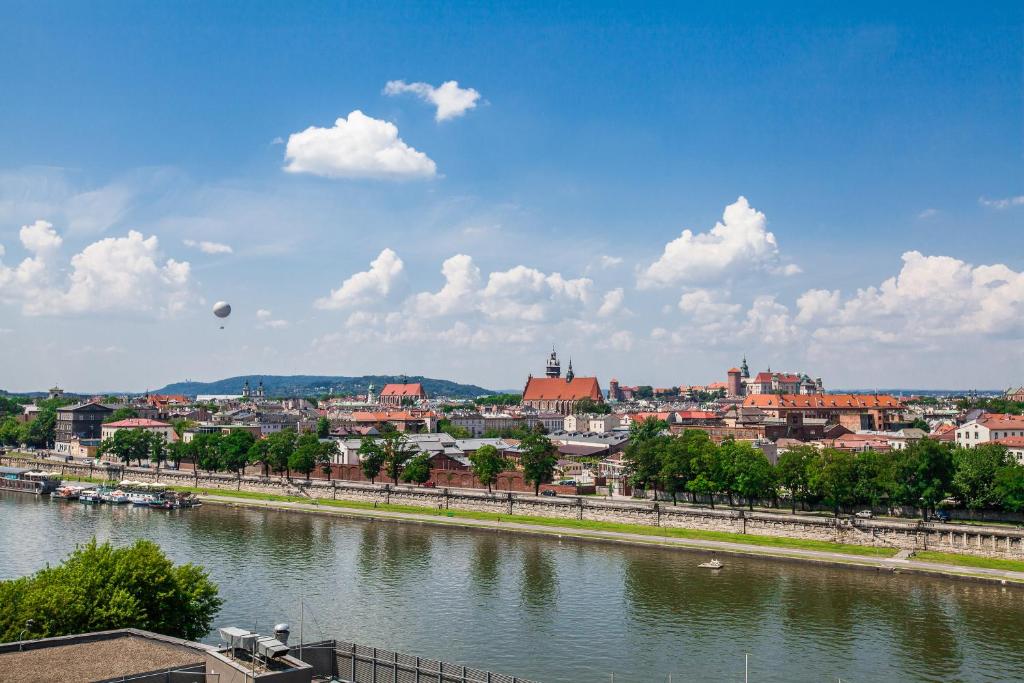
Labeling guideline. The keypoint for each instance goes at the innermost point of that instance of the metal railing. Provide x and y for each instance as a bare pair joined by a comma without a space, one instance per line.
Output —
361,664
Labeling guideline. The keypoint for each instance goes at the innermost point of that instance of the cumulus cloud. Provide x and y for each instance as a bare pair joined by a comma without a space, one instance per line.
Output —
528,294
367,285
357,147
116,274
612,303
40,237
209,247
609,261
707,306
816,304
459,293
739,242
938,296
451,100
621,341
1005,203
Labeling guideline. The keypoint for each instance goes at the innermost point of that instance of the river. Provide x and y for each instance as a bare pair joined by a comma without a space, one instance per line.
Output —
554,610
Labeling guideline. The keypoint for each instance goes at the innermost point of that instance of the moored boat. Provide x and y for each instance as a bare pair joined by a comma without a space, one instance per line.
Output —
67,492
90,496
28,480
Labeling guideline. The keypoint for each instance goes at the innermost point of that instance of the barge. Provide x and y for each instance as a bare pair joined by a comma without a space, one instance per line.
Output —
28,480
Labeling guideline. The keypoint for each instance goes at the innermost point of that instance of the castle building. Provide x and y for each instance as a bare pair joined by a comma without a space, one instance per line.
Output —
554,394
739,383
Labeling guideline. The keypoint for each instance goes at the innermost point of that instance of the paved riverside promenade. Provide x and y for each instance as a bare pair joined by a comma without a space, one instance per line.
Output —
902,562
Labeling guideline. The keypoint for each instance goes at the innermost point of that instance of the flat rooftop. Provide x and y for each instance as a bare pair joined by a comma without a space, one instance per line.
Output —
78,658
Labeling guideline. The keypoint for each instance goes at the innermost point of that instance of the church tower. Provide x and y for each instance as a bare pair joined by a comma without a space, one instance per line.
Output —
570,374
554,367
745,371
245,390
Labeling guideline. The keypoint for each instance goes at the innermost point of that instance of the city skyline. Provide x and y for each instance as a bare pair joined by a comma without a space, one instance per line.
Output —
408,191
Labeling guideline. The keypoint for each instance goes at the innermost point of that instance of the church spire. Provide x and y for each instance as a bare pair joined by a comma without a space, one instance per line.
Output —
570,374
554,367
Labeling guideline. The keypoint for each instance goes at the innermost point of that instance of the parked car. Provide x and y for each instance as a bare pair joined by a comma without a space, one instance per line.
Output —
429,485
548,492
942,515
863,514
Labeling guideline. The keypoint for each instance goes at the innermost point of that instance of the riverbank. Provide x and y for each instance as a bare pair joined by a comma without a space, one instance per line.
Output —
800,550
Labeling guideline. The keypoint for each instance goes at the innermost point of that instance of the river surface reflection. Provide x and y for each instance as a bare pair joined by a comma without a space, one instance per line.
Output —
554,610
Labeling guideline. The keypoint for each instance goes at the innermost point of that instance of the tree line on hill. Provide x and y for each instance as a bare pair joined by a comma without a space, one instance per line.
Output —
922,476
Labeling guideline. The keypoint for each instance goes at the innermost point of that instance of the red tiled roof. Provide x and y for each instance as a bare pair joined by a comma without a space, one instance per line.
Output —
415,389
1011,442
732,370
1001,421
821,401
137,423
768,376
558,389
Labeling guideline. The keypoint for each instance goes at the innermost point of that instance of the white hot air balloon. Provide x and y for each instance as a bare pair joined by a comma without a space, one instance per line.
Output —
222,309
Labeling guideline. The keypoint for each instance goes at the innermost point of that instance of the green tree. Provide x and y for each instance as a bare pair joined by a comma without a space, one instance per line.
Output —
306,454
234,448
923,474
588,406
206,449
371,458
182,426
121,414
793,472
100,587
417,470
974,474
487,463
12,432
177,451
922,424
391,449
323,428
874,478
1009,487
157,450
454,431
832,478
538,460
753,477
128,444
259,454
708,473
324,457
643,461
675,459
280,447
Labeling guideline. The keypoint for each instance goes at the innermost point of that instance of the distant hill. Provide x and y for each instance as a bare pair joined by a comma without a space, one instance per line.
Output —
317,385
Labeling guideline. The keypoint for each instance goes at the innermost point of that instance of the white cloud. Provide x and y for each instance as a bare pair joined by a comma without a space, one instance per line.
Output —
609,261
365,286
40,237
120,275
928,213
357,147
125,274
209,247
612,303
266,319
738,243
528,294
459,293
1005,203
451,100
621,341
706,306
769,322
931,297
816,304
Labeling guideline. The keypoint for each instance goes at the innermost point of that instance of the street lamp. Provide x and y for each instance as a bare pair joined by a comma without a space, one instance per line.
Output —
28,624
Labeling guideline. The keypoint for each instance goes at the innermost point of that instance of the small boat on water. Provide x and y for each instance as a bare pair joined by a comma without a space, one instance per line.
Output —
174,500
67,492
116,497
713,564
90,497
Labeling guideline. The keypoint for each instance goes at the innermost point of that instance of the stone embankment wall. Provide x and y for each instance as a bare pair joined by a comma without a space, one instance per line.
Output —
987,541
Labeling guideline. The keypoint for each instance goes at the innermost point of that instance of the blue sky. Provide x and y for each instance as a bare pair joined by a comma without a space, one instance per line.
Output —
875,144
